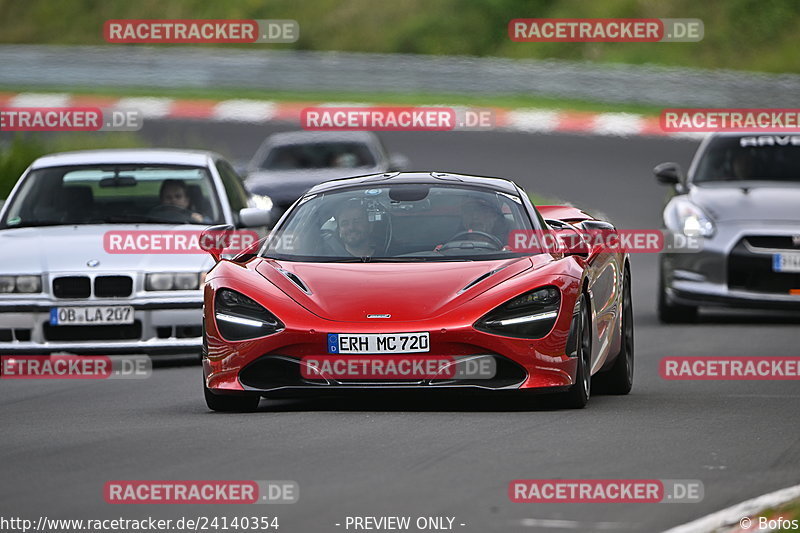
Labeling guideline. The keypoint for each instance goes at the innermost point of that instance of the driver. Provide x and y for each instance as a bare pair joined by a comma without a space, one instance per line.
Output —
176,193
353,228
480,215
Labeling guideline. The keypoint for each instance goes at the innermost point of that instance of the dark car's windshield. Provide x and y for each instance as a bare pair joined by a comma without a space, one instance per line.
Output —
751,158
108,194
319,155
396,223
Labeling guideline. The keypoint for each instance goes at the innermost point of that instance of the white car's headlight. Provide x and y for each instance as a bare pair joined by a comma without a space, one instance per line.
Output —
20,284
172,281
682,216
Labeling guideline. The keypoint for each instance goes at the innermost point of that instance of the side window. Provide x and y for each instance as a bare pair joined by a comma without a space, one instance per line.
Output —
234,190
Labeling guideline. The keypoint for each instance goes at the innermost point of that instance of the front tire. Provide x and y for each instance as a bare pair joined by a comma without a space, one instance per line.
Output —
578,395
229,403
669,313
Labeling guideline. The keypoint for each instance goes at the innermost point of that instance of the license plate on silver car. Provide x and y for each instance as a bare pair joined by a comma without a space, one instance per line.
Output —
786,262
97,315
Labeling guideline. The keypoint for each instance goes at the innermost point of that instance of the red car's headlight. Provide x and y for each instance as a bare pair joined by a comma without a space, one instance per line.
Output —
239,317
530,315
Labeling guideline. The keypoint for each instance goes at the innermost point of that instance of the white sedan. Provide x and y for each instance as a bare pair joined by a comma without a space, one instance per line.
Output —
94,247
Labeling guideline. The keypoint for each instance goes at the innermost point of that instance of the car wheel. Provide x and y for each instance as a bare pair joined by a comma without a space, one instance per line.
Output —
578,395
229,403
673,313
619,379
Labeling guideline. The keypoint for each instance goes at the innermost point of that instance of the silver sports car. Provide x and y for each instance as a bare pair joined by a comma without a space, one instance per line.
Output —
742,197
65,287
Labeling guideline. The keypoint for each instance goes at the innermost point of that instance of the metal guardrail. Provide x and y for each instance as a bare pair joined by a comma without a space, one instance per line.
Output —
183,67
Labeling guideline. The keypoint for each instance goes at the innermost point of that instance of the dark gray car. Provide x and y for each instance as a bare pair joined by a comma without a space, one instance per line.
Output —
288,164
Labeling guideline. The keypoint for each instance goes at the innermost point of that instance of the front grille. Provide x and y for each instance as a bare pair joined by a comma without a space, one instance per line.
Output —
775,242
753,272
93,333
113,286
271,372
72,287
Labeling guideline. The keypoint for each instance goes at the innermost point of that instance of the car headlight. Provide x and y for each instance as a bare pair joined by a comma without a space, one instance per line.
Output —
684,217
172,281
261,201
530,315
239,317
20,284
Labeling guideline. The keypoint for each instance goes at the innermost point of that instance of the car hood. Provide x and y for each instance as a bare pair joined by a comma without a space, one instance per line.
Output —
347,292
284,187
748,201
69,248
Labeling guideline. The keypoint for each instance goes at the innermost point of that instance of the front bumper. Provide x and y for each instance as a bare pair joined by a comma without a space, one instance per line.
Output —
161,327
730,272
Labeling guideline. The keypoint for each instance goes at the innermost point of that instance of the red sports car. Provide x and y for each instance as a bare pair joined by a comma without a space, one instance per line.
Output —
408,281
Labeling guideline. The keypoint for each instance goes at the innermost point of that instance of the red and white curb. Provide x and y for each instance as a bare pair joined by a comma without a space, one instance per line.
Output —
264,111
741,517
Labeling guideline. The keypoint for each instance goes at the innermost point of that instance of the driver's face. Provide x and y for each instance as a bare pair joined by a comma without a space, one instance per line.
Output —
477,217
353,226
175,196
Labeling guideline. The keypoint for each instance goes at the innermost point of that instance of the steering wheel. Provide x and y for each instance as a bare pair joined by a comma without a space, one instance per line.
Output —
171,213
492,240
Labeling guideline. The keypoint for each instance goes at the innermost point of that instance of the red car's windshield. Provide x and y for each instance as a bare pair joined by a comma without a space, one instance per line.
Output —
406,222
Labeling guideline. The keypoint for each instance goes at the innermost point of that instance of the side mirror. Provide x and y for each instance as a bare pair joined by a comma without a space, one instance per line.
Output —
570,239
216,239
251,217
668,173
398,162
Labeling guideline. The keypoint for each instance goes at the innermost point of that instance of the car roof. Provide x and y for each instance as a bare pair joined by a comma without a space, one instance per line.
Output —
432,178
124,156
304,137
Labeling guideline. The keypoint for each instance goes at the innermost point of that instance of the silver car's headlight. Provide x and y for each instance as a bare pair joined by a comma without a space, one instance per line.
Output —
682,216
172,281
20,284
261,201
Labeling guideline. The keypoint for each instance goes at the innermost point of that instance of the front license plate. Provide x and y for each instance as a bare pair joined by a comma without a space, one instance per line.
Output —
83,316
786,262
366,343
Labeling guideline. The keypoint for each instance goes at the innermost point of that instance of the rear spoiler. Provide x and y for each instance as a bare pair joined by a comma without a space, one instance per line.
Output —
563,212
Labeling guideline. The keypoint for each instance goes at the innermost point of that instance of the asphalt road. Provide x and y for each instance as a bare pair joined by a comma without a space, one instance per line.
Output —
61,441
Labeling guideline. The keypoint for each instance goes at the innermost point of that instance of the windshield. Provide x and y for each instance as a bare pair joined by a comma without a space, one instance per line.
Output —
406,222
107,194
751,158
319,155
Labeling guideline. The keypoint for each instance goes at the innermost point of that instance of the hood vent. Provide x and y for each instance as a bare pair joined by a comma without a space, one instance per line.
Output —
479,279
294,278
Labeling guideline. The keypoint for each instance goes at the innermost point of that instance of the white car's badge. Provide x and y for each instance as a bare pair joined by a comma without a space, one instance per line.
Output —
92,263
379,316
